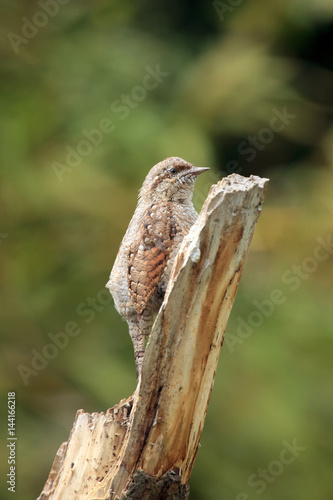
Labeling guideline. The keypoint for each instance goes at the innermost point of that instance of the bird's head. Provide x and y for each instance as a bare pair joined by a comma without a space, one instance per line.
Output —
171,180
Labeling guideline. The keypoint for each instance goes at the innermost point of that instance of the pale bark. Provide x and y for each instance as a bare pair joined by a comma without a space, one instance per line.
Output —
145,447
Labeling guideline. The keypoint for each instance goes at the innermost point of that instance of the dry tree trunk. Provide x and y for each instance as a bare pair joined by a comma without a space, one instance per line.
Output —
145,447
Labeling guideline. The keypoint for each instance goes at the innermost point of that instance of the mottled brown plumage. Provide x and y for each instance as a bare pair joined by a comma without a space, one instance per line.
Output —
164,215
149,253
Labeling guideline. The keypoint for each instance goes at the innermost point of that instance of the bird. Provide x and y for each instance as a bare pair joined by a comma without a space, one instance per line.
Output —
141,271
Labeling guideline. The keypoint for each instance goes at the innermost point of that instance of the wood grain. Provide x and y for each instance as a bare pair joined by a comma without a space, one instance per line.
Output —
159,438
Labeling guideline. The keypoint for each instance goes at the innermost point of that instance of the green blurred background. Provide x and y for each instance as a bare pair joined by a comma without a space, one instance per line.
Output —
223,71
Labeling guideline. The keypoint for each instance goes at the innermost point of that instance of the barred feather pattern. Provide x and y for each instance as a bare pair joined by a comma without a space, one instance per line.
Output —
139,277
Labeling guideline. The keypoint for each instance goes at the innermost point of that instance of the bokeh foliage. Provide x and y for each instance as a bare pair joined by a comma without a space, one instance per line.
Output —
228,67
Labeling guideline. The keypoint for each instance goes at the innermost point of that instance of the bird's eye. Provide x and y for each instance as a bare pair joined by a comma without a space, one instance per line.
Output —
173,171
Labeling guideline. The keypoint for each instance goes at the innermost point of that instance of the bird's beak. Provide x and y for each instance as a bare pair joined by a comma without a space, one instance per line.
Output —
198,170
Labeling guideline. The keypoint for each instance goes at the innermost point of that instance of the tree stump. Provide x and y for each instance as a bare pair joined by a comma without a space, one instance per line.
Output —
145,447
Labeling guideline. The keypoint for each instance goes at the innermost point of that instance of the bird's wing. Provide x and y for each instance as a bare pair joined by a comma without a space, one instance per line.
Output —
149,253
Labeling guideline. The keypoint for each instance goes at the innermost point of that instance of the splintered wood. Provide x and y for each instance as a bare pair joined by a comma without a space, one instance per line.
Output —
145,446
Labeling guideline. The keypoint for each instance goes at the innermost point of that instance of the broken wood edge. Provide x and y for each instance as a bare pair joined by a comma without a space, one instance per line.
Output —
147,431
92,448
